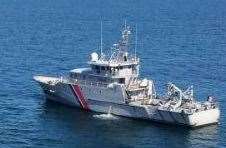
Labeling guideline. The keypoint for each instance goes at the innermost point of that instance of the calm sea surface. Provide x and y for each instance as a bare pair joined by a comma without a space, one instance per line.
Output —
179,41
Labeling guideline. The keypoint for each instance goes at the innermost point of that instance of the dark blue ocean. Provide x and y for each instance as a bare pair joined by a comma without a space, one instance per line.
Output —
179,41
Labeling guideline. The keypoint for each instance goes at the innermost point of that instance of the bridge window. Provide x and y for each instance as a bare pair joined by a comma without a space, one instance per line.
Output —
122,80
97,69
102,68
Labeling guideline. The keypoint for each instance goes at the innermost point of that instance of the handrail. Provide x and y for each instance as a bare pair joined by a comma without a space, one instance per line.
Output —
83,82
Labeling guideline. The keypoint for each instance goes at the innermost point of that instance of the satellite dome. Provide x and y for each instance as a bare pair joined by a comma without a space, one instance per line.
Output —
94,57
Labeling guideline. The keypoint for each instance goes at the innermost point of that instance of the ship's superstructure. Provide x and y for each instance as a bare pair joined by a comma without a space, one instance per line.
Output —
113,82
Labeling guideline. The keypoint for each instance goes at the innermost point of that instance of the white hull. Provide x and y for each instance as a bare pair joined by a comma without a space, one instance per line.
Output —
62,92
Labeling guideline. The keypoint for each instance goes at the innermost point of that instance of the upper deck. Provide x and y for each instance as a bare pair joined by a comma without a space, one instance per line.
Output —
119,66
115,62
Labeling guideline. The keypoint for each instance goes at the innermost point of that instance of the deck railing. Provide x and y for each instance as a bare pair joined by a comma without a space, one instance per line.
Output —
83,82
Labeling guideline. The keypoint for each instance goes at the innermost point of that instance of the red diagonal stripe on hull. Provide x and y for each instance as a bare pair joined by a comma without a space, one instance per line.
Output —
81,96
75,95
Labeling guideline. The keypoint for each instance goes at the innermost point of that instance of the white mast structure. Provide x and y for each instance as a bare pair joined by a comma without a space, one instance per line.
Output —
135,52
101,41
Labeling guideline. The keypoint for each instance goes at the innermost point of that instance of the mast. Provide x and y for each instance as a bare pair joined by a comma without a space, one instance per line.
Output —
135,52
124,42
101,40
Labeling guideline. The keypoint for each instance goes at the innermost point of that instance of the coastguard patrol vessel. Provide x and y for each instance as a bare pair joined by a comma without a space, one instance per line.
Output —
111,84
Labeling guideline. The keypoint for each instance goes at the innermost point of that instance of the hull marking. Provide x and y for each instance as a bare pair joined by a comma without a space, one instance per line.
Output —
79,96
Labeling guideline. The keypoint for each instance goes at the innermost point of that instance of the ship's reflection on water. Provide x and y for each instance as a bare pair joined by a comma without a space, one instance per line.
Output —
91,130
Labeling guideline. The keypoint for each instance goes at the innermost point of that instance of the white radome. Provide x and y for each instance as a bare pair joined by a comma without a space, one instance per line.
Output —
94,57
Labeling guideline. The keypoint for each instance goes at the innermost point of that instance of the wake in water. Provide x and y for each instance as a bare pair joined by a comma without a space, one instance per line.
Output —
105,116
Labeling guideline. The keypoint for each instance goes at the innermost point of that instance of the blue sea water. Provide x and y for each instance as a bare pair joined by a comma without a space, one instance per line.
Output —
178,40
